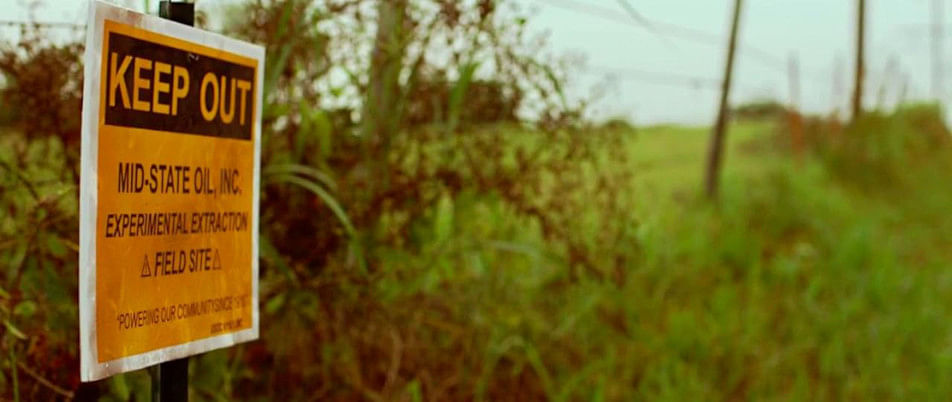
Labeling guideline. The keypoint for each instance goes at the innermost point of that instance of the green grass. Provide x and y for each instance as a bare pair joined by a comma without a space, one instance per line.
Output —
795,285
671,158
792,287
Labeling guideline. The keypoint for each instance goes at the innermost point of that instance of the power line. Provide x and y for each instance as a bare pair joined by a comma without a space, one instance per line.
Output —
662,78
666,78
640,18
766,58
63,25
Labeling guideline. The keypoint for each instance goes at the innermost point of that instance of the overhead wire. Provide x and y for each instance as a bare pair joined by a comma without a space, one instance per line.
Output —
661,78
64,25
664,78
765,58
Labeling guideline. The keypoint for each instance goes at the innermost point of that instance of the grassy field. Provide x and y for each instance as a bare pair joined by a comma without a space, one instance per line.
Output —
795,286
798,284
669,160
419,241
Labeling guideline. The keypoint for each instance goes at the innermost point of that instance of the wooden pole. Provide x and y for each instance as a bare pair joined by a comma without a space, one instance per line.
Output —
716,148
938,53
836,101
904,88
793,80
860,58
795,120
891,77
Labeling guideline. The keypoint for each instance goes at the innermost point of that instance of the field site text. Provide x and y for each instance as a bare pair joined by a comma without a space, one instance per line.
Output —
174,223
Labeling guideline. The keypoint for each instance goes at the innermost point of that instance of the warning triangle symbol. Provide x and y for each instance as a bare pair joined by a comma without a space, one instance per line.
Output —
146,272
216,263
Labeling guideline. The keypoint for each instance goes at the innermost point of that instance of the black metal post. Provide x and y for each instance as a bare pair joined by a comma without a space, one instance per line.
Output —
178,11
170,379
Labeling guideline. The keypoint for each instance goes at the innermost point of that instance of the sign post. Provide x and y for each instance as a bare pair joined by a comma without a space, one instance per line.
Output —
170,379
168,194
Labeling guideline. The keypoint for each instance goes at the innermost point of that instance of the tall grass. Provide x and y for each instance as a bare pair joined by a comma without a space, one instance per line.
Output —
516,262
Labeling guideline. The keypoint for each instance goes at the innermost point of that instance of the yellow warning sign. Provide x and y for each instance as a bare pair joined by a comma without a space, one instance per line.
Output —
169,192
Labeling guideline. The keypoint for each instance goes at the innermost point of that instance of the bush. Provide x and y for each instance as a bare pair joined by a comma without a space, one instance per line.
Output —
362,228
876,149
759,110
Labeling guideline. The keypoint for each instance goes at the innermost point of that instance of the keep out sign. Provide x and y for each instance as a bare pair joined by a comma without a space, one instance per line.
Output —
168,193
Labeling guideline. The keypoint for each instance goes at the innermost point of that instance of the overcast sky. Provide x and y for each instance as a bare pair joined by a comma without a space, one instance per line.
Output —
664,73
816,31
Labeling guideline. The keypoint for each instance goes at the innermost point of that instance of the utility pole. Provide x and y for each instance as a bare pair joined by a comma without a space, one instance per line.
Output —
904,88
794,118
836,101
793,80
716,148
891,76
860,58
938,53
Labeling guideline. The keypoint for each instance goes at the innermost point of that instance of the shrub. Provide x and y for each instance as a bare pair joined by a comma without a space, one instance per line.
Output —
347,207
